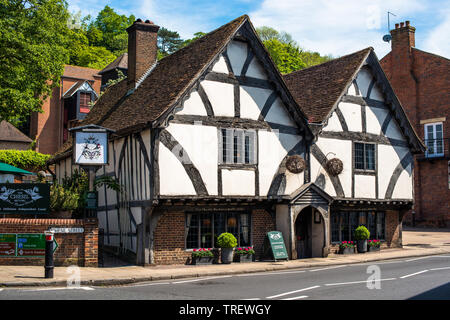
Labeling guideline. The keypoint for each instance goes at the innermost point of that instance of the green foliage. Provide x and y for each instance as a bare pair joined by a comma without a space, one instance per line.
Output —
33,41
203,252
226,240
62,199
168,41
346,244
361,233
374,243
245,250
197,35
25,159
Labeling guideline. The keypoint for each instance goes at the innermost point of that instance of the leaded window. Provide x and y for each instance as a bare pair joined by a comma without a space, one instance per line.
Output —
344,223
237,146
364,156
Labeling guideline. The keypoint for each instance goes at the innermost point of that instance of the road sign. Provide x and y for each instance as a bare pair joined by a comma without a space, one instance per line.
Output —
276,242
7,245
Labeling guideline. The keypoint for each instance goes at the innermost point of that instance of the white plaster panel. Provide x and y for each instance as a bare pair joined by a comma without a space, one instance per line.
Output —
101,196
393,130
238,182
333,124
272,148
252,101
220,66
352,90
294,180
352,115
388,159
278,114
201,144
316,172
376,93
173,178
363,80
136,212
101,216
221,96
193,105
374,119
113,221
111,196
237,53
403,187
256,70
365,186
341,149
118,144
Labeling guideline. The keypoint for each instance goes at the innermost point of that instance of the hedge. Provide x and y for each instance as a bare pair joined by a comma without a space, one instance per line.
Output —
25,159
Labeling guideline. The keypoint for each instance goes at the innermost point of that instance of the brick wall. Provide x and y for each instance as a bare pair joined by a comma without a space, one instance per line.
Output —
169,246
73,248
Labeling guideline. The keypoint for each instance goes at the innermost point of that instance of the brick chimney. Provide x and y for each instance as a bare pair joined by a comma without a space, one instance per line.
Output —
142,49
403,36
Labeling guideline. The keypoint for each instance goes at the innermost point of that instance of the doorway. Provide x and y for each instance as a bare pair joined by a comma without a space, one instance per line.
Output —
309,233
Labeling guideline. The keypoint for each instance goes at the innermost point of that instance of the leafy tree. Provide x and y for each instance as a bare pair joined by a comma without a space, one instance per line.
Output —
267,33
197,35
33,41
168,41
286,56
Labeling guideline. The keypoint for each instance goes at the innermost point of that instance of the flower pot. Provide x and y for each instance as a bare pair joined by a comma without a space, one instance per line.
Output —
242,258
347,250
373,248
226,255
202,260
361,246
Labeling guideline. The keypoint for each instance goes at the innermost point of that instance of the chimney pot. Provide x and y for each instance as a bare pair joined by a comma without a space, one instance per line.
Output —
139,20
396,26
407,23
402,24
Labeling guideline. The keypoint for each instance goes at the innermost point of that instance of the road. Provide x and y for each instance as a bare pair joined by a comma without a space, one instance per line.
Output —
414,278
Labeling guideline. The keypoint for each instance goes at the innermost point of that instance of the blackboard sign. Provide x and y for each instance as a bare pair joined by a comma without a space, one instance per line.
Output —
18,198
276,242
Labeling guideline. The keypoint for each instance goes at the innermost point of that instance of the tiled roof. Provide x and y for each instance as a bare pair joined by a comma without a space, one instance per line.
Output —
10,133
121,62
318,88
80,72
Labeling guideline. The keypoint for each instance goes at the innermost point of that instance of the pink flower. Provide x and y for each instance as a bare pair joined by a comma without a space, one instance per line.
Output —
344,241
246,249
195,250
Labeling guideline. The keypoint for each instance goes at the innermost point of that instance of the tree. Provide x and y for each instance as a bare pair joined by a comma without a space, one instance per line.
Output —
197,35
168,41
32,53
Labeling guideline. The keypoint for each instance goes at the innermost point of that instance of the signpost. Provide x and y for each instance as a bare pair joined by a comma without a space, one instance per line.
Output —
7,245
275,240
18,198
29,245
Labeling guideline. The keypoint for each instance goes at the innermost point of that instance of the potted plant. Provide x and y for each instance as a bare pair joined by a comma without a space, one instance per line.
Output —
373,245
346,247
361,235
202,256
244,254
226,241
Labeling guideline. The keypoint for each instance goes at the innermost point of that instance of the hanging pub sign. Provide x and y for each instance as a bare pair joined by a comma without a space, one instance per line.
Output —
91,145
30,198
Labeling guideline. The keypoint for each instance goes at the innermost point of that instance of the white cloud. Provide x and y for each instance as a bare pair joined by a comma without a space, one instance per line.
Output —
437,40
334,27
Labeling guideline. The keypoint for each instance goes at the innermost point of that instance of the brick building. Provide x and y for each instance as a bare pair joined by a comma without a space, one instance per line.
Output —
67,104
421,81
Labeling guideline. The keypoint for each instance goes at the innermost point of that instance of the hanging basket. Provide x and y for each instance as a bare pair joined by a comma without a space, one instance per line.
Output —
334,166
295,164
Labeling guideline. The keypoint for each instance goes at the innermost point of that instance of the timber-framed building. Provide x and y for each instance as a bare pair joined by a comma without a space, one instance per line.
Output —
213,138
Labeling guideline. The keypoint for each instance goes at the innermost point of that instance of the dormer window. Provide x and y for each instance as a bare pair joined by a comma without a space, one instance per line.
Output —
85,100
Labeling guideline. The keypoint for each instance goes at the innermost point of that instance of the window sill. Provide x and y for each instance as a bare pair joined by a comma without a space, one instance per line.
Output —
365,172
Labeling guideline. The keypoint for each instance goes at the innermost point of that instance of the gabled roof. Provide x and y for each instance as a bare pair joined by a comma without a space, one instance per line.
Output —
121,62
10,133
81,73
318,88
79,85
168,80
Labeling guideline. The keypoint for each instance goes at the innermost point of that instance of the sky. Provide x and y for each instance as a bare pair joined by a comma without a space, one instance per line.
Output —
336,27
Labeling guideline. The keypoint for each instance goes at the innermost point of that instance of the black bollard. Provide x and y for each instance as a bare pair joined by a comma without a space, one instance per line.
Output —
49,254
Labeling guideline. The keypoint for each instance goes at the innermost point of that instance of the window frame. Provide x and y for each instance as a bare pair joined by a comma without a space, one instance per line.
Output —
379,214
365,162
434,139
238,152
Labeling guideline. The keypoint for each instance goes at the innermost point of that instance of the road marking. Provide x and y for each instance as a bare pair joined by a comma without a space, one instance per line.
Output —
146,284
291,292
62,288
413,274
252,299
417,259
268,273
328,268
295,298
355,282
202,279
445,268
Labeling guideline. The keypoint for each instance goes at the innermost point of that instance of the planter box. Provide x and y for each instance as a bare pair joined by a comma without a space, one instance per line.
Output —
371,249
242,258
361,246
347,250
202,260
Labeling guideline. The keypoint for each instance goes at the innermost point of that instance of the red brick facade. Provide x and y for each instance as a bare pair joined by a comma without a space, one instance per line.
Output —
421,81
169,244
73,248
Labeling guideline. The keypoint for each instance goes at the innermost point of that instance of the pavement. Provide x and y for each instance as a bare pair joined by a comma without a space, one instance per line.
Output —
416,243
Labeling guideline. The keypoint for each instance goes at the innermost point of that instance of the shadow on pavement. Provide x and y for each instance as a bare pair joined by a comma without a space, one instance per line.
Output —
438,293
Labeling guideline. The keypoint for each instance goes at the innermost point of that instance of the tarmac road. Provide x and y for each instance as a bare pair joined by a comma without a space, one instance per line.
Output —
420,278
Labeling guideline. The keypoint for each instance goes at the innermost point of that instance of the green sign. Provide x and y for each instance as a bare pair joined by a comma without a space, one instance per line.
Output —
91,200
24,245
276,242
19,198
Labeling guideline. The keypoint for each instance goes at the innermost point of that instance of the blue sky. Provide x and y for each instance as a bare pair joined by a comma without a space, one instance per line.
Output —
336,27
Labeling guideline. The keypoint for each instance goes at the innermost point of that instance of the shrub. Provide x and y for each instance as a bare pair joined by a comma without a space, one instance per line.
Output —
203,252
245,250
25,159
226,240
361,233
373,243
63,199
